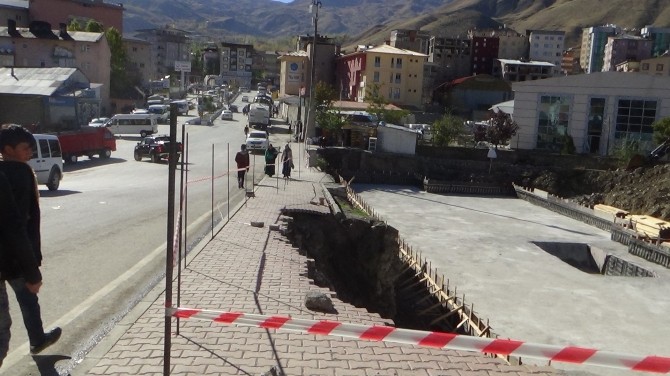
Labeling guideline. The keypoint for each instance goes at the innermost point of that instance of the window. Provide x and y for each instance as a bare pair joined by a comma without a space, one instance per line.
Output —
378,61
634,119
134,49
392,62
645,66
397,78
553,121
396,93
376,77
659,67
398,63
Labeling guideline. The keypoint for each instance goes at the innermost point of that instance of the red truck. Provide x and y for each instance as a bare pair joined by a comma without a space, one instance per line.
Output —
86,141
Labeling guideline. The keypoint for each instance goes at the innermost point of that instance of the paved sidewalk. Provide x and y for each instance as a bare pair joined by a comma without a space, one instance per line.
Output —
256,270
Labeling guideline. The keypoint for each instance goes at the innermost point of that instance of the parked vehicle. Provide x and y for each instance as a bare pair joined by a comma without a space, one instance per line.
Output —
144,124
182,107
47,161
259,116
233,107
86,141
156,148
226,115
257,141
162,112
98,122
245,98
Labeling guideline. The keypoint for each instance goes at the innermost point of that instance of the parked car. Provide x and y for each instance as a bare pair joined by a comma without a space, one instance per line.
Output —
47,161
141,111
257,141
245,98
226,115
233,108
98,122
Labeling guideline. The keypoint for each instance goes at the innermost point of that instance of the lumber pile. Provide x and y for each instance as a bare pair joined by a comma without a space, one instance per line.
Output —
614,211
650,227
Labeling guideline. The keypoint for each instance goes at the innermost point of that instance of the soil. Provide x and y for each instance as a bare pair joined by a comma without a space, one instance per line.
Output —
645,190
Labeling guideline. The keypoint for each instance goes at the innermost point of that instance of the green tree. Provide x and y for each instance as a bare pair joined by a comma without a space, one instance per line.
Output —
94,26
326,118
661,130
376,101
120,83
501,130
448,129
74,25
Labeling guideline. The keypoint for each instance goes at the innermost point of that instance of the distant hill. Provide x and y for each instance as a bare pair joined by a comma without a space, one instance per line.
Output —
370,21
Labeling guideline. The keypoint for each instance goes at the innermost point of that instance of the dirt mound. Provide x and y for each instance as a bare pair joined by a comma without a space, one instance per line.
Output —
645,190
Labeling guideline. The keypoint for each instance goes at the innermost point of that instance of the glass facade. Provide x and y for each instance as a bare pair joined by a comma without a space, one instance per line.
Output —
634,119
553,121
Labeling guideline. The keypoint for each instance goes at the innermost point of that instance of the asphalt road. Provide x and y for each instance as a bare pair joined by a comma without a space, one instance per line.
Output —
104,235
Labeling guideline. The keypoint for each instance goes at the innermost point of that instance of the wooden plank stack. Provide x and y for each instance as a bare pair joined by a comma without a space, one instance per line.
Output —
616,212
651,228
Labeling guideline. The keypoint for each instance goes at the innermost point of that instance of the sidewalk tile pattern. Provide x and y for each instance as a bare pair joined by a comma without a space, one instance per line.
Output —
256,270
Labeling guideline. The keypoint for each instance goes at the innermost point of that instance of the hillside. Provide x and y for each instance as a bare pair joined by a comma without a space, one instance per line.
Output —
370,21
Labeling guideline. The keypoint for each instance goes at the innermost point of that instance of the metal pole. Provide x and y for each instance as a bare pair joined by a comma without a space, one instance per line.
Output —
212,194
315,5
186,197
170,238
228,204
181,222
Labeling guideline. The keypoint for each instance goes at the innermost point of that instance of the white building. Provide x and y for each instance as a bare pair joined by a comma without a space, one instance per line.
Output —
599,111
547,45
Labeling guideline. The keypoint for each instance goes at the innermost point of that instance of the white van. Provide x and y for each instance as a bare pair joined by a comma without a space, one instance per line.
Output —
144,124
47,161
182,107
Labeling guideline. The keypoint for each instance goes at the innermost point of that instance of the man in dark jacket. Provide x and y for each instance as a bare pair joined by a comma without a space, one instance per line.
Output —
242,160
16,145
16,258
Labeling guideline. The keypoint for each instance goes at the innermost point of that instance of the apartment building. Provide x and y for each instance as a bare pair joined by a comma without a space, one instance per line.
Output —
167,46
511,44
547,45
140,59
413,40
523,70
41,47
570,62
592,51
236,62
484,52
294,73
660,39
109,14
625,48
397,72
16,10
325,52
656,66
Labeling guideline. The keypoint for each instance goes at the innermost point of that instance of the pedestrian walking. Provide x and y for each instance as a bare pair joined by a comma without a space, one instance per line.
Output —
246,131
270,160
287,162
242,160
16,147
16,258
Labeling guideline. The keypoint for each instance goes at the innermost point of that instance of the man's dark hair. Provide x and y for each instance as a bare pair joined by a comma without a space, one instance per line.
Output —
13,134
244,146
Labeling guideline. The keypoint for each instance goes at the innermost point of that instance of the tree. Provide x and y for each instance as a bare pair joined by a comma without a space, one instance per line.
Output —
661,130
74,25
376,101
448,129
501,129
94,26
120,83
325,117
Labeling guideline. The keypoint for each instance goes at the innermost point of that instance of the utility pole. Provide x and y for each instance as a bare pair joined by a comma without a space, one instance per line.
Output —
314,9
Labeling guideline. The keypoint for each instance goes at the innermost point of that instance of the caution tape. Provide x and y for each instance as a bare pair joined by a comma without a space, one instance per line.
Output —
506,347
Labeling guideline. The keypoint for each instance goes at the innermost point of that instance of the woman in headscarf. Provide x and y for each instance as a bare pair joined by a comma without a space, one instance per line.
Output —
287,162
270,158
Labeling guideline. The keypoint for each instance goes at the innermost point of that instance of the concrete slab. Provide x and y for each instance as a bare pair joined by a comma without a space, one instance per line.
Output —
485,246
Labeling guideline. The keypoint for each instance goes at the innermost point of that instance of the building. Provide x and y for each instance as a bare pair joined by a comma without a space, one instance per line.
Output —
627,66
16,10
140,58
511,44
167,46
396,72
451,56
523,70
547,45
293,76
236,63
324,55
599,111
58,97
625,48
109,14
265,64
484,52
656,66
592,51
660,39
413,40
570,62
41,47
471,97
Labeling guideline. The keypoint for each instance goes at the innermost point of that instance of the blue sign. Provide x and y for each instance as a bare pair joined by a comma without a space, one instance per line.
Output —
294,66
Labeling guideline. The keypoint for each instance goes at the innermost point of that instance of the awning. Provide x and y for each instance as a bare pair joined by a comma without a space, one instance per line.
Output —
506,107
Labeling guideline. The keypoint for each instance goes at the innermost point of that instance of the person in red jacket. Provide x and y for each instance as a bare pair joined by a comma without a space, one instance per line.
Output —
242,160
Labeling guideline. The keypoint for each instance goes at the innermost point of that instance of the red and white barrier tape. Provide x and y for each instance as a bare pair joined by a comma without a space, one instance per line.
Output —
567,354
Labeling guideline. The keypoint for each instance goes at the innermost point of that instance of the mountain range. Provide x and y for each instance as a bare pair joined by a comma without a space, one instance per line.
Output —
370,21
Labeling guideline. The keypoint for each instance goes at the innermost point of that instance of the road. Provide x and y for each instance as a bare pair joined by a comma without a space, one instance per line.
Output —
104,237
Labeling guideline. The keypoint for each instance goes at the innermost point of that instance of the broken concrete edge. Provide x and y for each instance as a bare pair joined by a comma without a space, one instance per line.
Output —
334,207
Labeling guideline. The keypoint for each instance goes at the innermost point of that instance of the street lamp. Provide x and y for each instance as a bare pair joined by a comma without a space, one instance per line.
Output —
314,9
